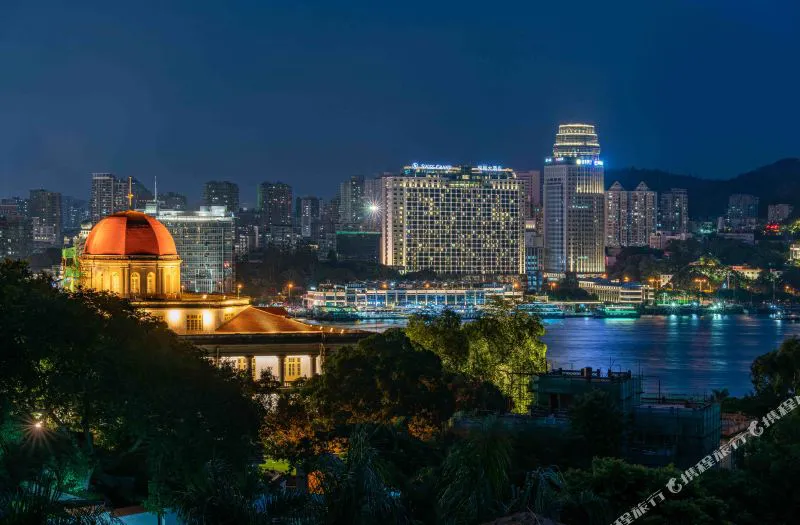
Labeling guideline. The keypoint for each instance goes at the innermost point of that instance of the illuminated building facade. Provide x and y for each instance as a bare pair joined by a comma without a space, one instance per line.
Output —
631,216
205,241
453,220
742,214
134,256
674,211
573,196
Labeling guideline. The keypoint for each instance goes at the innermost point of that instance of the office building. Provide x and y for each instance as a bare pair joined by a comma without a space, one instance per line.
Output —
779,212
742,214
351,202
406,295
44,212
674,211
574,219
453,220
221,193
275,203
631,216
205,243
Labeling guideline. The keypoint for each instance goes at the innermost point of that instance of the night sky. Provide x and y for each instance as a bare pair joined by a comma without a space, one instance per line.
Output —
312,92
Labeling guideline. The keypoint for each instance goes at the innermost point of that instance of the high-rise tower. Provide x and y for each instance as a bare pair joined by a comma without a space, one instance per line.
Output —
574,222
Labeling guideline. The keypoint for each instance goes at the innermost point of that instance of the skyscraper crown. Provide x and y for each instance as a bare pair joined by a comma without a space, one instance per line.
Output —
576,140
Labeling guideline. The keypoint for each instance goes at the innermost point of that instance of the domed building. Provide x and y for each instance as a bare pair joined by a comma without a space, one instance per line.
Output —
132,255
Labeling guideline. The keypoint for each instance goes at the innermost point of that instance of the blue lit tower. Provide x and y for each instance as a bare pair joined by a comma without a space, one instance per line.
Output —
574,223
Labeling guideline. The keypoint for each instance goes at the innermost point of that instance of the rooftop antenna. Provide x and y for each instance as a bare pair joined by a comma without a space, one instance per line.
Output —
130,193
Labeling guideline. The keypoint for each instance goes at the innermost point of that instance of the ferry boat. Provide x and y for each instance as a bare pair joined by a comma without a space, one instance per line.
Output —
333,313
542,310
617,311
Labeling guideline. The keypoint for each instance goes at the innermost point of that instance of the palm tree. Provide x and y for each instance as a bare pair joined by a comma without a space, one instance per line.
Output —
354,488
474,480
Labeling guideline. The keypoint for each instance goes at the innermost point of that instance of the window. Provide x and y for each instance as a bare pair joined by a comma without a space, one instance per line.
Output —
151,283
115,283
194,322
135,283
227,317
292,368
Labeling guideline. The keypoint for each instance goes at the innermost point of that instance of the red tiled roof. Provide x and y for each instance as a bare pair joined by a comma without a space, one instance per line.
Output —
253,320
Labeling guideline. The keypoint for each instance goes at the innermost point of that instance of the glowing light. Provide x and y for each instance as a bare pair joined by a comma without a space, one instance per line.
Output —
208,317
174,316
431,166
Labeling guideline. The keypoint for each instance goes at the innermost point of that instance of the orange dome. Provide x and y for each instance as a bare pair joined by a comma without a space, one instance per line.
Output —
129,233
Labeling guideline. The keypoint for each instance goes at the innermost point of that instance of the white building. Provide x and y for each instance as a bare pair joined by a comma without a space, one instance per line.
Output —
205,242
453,220
618,292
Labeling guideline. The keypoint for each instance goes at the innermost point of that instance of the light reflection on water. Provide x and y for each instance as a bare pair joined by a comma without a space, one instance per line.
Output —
686,354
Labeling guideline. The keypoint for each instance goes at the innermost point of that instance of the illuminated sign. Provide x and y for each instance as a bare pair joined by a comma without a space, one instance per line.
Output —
484,167
417,166
548,159
588,162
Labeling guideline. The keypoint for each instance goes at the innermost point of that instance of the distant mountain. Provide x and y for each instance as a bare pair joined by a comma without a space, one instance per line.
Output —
773,184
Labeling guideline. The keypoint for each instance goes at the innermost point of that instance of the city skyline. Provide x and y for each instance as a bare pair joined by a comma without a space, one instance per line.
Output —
247,102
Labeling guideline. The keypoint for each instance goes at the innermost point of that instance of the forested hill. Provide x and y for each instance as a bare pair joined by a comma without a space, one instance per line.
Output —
775,183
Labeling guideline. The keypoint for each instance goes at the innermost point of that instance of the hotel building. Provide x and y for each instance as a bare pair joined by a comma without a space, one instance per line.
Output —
574,219
463,220
205,241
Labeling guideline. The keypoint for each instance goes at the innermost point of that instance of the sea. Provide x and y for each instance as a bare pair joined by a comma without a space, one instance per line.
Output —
686,355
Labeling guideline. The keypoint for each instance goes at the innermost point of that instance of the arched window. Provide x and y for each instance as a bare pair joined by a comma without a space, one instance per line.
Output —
136,283
98,281
168,281
151,283
115,287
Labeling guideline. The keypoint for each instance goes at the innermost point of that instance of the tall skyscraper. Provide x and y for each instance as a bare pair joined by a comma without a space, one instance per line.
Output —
44,211
742,212
574,219
110,195
205,242
631,216
221,193
351,202
674,211
275,203
453,220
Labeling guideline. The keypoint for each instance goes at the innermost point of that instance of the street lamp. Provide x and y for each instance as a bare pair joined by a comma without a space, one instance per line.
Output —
290,286
238,289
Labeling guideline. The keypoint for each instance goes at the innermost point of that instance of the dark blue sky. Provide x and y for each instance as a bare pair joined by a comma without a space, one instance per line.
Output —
312,92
